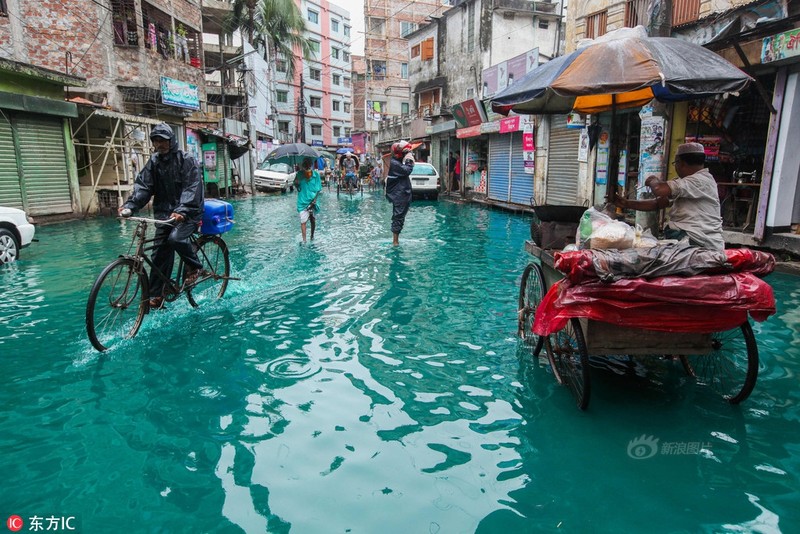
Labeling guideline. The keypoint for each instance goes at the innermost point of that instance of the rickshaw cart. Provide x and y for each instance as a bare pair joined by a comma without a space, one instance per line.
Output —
726,360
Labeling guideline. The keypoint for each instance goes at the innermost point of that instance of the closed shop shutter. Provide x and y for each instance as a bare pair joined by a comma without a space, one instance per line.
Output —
562,163
521,183
10,190
499,166
44,165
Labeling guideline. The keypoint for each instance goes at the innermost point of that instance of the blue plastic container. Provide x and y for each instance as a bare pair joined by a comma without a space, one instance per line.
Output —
217,217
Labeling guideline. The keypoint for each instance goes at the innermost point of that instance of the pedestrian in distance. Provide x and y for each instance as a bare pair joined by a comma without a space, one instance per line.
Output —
693,196
172,179
457,172
451,165
308,184
398,186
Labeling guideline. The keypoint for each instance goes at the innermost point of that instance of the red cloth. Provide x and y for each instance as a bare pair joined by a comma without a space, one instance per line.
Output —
702,303
457,168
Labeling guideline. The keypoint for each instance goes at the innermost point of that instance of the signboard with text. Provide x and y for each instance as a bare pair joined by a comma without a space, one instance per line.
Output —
469,113
499,76
178,93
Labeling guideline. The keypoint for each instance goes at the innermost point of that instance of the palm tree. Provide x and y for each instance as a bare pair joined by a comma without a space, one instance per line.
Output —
275,26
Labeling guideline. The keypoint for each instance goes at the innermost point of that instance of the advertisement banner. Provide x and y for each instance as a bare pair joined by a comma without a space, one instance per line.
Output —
510,124
528,146
489,82
499,76
651,148
516,68
469,113
781,46
472,131
602,158
178,93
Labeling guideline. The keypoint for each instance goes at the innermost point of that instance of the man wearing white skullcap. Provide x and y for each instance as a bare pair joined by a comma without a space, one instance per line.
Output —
693,197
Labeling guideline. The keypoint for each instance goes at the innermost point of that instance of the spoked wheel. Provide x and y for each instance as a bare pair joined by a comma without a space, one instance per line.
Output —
117,304
731,368
531,293
566,351
213,254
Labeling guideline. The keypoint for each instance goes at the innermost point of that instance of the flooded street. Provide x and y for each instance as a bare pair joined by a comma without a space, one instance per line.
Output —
349,386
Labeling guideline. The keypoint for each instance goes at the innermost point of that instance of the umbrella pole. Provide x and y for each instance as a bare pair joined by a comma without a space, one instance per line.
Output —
613,160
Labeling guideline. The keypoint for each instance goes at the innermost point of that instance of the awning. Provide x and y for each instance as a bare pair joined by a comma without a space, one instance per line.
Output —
416,144
135,119
238,146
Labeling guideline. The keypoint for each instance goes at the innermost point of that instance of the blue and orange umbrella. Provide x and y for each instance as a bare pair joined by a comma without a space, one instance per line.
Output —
621,73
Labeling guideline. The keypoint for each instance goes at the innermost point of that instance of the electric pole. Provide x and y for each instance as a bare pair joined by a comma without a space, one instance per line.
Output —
301,112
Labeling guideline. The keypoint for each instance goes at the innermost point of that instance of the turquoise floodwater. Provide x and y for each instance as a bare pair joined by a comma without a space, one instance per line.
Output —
346,386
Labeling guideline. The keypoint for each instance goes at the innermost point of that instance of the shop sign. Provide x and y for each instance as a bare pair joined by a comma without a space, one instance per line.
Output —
469,113
781,46
178,93
510,124
497,77
490,127
574,121
345,140
472,131
316,142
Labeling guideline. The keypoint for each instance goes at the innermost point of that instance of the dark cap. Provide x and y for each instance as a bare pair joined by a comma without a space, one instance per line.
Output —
162,131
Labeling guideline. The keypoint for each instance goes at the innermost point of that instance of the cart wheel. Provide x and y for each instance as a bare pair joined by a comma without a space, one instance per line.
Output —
531,293
566,352
731,368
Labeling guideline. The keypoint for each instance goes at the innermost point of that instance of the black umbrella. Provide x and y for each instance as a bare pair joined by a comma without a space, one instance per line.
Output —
293,153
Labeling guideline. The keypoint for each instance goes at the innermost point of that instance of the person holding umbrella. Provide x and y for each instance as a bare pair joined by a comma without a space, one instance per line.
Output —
308,184
398,186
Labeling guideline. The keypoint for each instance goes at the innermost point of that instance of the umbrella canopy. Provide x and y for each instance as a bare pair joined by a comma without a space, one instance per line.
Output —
344,150
293,153
621,73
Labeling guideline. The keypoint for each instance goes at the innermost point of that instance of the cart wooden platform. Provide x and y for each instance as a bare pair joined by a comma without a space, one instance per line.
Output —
725,361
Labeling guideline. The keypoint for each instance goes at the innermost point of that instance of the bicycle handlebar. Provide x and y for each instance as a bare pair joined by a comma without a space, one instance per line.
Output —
146,220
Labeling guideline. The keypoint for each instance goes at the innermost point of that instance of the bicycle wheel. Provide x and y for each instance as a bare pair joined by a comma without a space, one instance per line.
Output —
531,293
117,304
213,254
566,352
731,368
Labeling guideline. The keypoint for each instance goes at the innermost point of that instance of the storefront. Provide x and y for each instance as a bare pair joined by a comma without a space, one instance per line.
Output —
561,182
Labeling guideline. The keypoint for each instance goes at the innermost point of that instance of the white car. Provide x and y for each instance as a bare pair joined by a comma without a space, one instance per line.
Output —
425,181
16,232
274,176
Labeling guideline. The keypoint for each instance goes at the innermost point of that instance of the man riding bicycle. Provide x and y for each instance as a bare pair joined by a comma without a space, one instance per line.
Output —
349,168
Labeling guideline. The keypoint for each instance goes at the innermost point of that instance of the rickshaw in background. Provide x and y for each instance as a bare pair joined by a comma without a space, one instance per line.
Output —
348,168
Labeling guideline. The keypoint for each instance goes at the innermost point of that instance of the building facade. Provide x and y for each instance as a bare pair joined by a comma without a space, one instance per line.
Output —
315,107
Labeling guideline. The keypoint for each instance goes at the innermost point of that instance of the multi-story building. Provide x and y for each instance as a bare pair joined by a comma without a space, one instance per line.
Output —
315,106
139,62
388,23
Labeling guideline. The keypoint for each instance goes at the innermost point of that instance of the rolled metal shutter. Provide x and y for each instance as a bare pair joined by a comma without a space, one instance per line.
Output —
499,167
521,183
562,163
10,188
44,165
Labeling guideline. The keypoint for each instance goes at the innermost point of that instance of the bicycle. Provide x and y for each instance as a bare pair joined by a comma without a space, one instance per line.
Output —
119,298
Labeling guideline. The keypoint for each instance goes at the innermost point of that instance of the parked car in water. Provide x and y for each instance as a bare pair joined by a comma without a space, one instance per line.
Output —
274,176
16,232
425,181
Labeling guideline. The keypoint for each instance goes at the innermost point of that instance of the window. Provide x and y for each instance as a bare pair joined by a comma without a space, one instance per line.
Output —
347,107
282,96
635,13
283,126
315,102
378,70
334,25
407,27
347,132
337,131
346,56
316,129
335,52
596,25
346,30
415,51
427,49
471,27
376,26
337,79
543,24
3,7
470,92
404,71
281,65
123,21
404,108
157,26
313,16
684,11
315,45
337,106
346,82
314,74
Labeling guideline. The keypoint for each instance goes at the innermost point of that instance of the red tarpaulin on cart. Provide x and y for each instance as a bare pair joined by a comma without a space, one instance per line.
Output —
702,303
